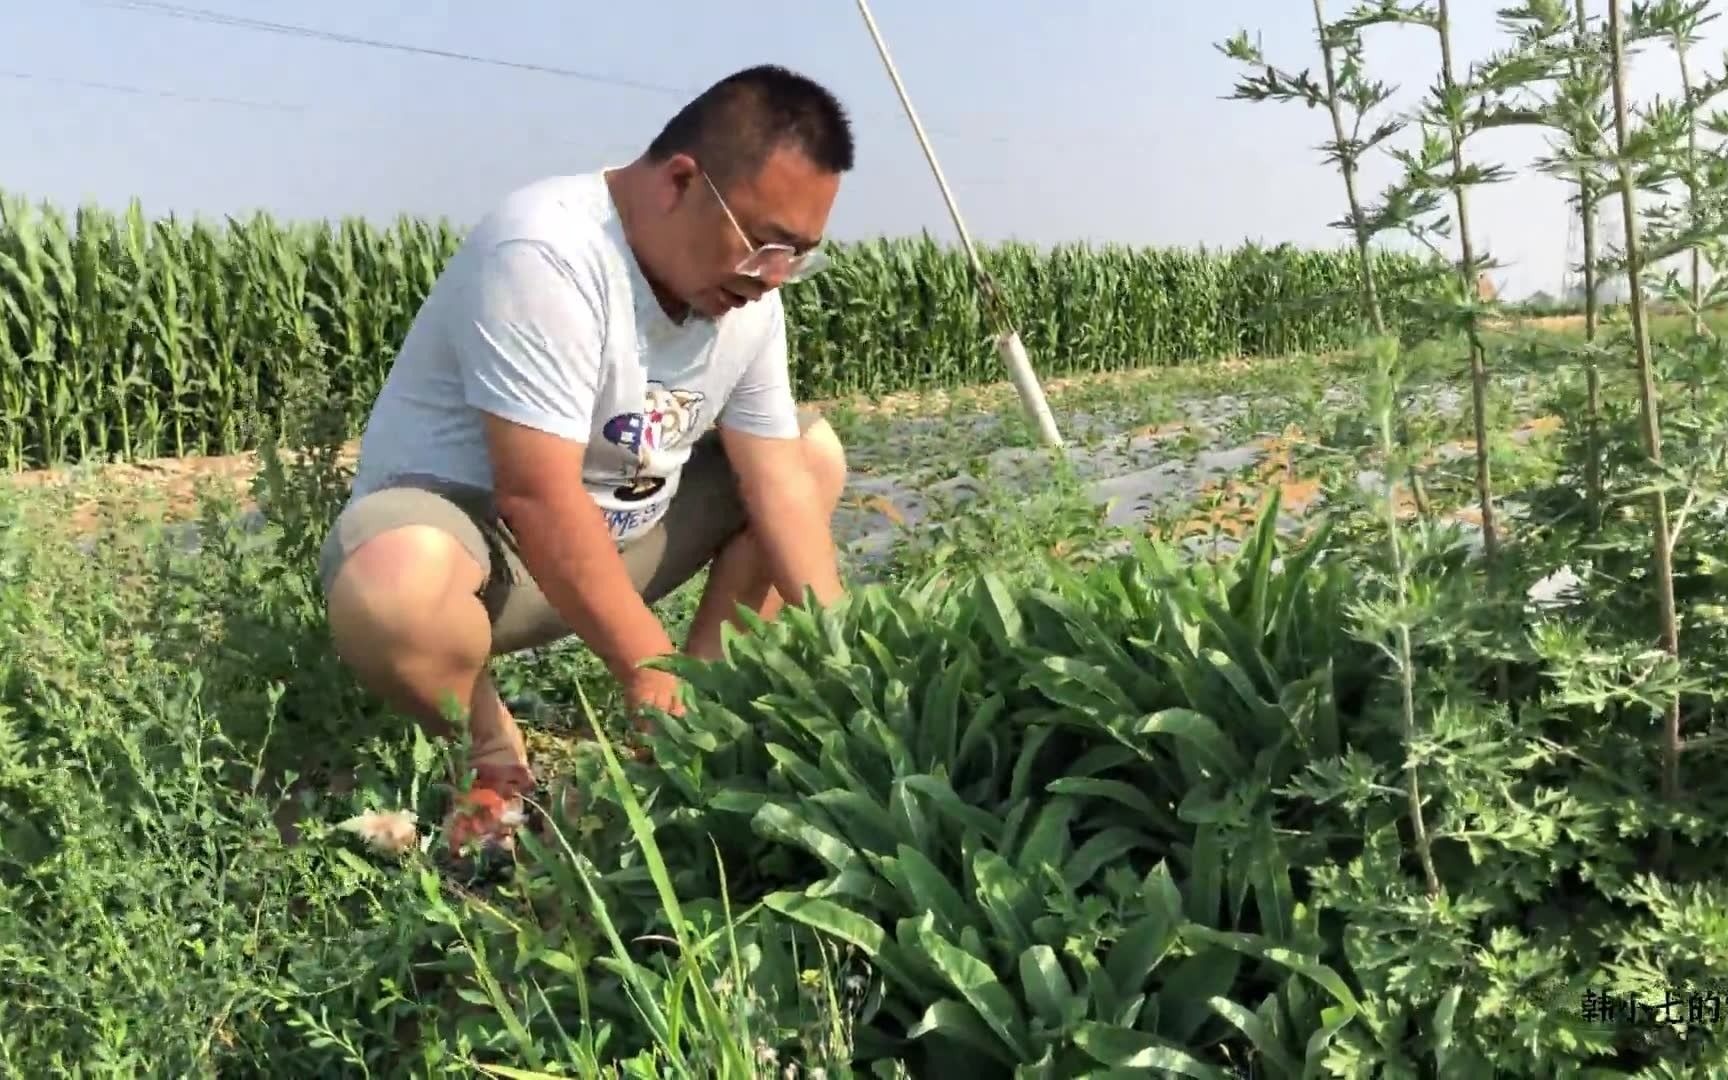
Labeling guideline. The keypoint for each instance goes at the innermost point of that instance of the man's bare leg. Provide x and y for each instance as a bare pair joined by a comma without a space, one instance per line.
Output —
740,575
404,616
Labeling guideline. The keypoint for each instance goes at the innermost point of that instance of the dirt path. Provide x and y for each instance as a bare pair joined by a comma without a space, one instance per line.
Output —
171,488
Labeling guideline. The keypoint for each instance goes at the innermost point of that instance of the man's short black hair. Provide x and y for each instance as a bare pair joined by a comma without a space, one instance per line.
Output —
732,127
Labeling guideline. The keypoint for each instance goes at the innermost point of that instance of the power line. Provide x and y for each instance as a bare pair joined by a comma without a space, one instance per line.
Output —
147,91
217,18
207,17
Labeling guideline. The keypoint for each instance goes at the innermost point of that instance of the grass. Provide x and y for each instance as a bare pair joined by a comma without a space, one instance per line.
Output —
162,713
180,747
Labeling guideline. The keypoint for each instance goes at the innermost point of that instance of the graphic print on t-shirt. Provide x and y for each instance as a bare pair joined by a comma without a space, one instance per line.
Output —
653,435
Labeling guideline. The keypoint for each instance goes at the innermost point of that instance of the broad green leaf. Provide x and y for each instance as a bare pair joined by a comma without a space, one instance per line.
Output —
1190,983
1244,648
1032,744
914,824
1443,1036
1126,1048
1106,997
1267,713
1198,732
976,729
1259,1034
867,773
1252,594
1139,951
1327,738
1007,902
792,719
1090,676
1046,986
891,728
833,629
1161,893
508,1073
860,883
1252,945
1296,570
1205,878
1043,1069
1271,876
861,820
776,822
939,734
1013,822
829,918
803,774
887,665
1047,845
933,893
959,1021
864,685
998,612
942,797
1103,759
792,675
1333,1020
717,718
1058,680
1116,791
977,985
1101,850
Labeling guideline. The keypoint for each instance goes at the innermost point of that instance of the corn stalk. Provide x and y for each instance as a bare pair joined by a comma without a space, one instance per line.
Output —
127,336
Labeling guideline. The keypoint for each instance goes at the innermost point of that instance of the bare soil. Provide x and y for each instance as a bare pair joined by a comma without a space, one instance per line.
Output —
170,486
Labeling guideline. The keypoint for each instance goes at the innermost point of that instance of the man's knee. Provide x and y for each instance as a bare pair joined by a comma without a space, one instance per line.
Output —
827,459
399,586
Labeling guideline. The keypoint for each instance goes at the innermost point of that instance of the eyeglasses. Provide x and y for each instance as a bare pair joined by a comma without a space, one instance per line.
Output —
782,260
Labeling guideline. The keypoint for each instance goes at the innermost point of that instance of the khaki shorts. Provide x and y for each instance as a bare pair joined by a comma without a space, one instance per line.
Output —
705,514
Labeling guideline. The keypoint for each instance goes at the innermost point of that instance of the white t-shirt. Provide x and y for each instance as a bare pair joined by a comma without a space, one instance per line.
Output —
543,317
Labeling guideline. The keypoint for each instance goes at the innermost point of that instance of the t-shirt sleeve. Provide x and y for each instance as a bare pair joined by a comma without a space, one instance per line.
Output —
528,339
761,402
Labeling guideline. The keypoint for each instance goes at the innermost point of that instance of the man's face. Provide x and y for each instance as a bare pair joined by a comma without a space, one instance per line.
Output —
714,259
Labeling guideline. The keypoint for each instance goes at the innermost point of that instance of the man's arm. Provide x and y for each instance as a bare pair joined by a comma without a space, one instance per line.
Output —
759,430
530,346
568,549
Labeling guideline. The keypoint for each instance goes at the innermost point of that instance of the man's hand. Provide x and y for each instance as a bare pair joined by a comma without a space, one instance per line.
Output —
787,514
537,482
652,688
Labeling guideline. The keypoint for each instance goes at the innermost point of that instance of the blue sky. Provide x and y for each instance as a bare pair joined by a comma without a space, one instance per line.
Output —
1099,120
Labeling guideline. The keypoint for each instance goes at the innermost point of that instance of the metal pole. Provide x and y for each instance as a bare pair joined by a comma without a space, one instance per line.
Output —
1008,344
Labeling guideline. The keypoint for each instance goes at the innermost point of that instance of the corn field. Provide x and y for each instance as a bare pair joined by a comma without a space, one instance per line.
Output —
123,336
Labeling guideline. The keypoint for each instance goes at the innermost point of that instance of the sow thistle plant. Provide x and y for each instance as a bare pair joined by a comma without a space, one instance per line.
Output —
1043,808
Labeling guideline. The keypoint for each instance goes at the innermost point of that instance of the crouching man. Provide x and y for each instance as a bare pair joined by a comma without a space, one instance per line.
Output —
593,405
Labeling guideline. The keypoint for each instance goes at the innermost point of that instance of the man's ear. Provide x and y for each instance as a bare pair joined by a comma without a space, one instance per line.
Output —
679,175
